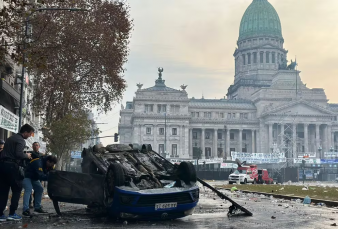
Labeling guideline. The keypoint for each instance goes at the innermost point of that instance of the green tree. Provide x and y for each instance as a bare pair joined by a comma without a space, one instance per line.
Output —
67,134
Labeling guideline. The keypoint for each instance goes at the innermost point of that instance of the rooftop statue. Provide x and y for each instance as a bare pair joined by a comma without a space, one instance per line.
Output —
292,66
160,70
283,65
183,87
139,85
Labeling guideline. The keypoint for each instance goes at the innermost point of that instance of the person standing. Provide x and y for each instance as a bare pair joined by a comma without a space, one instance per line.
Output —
36,171
2,144
10,172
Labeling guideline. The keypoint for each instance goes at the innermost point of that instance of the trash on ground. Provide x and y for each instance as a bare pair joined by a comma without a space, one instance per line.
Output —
307,200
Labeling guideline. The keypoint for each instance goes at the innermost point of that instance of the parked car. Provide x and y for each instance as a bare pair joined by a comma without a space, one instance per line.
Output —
250,174
129,182
337,179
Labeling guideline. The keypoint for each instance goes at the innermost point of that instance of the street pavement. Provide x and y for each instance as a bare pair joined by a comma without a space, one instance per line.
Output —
211,212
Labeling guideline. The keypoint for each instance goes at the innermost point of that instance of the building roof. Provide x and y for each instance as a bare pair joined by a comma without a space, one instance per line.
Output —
222,103
260,19
160,84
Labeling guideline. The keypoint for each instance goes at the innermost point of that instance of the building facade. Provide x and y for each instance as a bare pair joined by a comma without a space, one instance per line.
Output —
267,106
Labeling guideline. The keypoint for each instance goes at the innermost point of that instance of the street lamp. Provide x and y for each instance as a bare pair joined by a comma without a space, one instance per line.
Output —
320,150
24,48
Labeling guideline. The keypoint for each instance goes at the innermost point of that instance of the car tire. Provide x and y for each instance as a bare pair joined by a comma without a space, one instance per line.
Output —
230,182
245,181
115,177
186,172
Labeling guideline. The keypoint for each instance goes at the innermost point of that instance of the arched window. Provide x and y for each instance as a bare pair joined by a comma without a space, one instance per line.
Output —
261,57
255,58
249,58
273,57
243,56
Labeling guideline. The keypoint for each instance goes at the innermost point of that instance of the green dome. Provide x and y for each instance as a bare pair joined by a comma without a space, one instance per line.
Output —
260,19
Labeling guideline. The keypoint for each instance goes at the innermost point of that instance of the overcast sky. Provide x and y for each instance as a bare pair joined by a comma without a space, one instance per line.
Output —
194,41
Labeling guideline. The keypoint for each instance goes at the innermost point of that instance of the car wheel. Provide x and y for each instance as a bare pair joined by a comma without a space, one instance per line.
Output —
186,172
245,181
114,178
230,182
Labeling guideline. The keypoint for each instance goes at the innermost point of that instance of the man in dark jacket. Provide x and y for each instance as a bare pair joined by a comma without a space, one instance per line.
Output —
37,170
2,144
10,178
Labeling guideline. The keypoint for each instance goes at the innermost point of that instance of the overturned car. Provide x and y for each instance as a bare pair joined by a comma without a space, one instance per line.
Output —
128,181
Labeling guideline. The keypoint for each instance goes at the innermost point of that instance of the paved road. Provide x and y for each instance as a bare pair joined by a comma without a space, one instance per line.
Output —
210,213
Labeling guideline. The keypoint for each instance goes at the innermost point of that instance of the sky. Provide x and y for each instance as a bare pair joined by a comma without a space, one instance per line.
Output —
194,41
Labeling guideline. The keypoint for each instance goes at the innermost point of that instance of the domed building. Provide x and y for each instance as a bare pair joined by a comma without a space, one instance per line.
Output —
268,108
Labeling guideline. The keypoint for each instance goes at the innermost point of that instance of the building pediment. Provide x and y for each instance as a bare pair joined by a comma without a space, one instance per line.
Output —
298,108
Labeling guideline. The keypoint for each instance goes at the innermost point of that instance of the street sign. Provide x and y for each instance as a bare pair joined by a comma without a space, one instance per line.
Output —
75,154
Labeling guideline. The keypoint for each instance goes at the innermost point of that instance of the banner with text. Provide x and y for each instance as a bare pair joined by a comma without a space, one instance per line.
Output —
307,160
8,120
259,158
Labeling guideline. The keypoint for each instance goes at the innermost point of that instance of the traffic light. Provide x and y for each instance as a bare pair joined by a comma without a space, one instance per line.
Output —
116,137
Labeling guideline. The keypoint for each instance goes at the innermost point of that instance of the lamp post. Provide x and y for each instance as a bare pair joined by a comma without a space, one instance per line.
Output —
320,150
165,134
24,49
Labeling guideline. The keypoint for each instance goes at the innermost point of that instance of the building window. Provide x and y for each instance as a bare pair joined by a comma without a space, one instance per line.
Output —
233,115
161,148
195,144
232,136
261,57
243,136
267,57
255,58
249,58
243,57
207,152
207,135
229,115
194,135
161,131
174,150
174,131
246,115
278,57
197,114
221,115
232,150
207,114
148,130
174,109
192,114
219,135
148,108
273,57
161,108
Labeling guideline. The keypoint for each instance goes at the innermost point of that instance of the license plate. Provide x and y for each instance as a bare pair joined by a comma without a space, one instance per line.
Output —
165,206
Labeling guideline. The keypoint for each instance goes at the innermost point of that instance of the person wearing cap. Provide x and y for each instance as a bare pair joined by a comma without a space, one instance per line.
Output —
11,171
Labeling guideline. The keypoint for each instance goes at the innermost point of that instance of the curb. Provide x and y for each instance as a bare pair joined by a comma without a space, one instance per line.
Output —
329,203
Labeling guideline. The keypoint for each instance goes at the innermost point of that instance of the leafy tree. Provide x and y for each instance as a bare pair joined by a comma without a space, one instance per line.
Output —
67,134
78,57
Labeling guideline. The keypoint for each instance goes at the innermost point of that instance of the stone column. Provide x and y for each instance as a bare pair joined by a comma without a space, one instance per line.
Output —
203,142
332,139
258,148
155,146
324,139
240,144
270,137
306,138
294,140
227,144
140,135
190,143
329,135
317,137
282,134
253,150
215,144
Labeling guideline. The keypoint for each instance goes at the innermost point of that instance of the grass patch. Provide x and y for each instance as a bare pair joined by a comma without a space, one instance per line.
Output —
313,192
